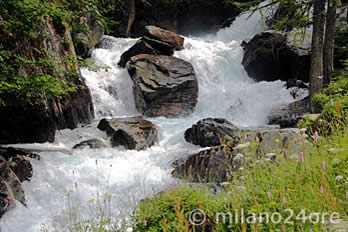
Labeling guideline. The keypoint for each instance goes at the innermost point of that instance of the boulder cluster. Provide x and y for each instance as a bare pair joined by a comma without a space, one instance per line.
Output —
232,149
163,86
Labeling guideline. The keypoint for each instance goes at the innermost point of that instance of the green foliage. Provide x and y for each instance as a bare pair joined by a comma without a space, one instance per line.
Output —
267,188
28,69
333,103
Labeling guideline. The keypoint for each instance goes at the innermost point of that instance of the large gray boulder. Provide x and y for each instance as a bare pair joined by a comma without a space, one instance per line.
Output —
210,132
285,142
132,133
207,166
163,85
272,55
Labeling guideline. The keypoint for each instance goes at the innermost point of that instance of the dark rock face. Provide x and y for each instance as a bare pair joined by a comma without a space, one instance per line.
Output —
22,122
132,133
91,143
26,123
163,85
210,131
206,166
289,115
198,19
269,56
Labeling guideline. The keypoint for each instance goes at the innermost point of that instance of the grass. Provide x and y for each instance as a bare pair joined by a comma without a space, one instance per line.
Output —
296,194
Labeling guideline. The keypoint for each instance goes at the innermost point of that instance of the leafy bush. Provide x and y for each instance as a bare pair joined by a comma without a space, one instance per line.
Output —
333,103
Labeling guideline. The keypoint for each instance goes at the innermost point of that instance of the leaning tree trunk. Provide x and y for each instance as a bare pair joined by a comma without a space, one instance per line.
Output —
131,17
329,42
316,70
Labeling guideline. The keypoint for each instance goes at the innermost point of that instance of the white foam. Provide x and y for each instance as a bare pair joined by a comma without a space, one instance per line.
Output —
63,182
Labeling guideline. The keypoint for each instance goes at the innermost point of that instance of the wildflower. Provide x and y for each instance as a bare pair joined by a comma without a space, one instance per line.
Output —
323,165
283,228
277,140
243,185
176,186
316,136
301,157
165,191
145,222
338,107
284,200
227,173
268,194
321,189
251,182
332,102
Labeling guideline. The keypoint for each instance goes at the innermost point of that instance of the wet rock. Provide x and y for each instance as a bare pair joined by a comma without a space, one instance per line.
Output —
91,143
296,83
163,85
208,165
288,116
132,133
21,167
211,131
7,200
168,37
12,181
270,56
156,42
141,47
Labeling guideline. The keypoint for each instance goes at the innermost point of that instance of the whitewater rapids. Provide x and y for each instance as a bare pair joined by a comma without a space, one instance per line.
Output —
67,189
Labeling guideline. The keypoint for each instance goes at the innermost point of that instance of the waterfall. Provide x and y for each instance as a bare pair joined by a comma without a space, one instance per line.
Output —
70,188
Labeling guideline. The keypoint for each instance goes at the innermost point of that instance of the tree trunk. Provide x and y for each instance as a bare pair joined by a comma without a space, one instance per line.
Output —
329,42
316,70
131,17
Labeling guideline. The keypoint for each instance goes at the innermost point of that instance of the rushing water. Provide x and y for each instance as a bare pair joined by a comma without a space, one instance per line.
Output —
67,187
